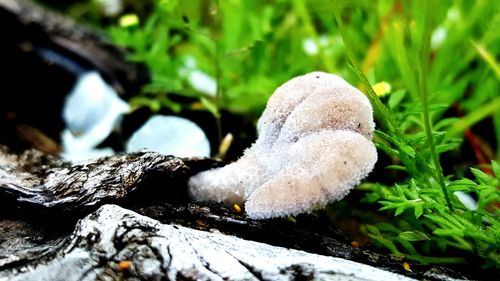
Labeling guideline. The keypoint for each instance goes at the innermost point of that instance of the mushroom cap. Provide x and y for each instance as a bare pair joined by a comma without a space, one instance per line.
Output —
314,146
312,102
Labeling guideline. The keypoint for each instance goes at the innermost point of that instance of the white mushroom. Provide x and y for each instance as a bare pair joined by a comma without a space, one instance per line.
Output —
314,146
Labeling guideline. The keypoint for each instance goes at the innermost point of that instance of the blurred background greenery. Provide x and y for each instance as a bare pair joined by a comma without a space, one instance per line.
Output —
429,67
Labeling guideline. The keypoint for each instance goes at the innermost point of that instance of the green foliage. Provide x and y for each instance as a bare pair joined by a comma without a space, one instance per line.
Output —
248,47
425,230
429,221
440,58
150,43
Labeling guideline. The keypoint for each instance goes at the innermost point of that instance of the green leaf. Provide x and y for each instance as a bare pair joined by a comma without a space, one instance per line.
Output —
482,177
390,151
408,150
389,228
439,220
444,123
496,169
387,137
462,185
440,148
139,101
396,98
412,191
210,106
372,228
448,232
399,210
488,57
414,236
419,210
396,168
407,246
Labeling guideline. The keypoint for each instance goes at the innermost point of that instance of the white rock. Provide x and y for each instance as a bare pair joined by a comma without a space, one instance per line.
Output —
202,83
170,135
199,80
91,112
111,7
466,199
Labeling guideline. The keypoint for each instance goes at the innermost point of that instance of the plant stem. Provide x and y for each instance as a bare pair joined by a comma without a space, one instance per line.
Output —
380,110
216,38
475,116
218,91
384,116
424,92
301,8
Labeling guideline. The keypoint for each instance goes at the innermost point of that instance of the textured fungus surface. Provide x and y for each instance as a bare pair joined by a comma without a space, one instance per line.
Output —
314,146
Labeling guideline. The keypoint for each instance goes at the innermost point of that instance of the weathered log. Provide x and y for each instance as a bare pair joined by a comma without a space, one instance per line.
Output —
52,185
117,244
44,196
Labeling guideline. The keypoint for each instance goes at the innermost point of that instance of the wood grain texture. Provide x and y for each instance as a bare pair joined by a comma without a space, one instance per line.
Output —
117,244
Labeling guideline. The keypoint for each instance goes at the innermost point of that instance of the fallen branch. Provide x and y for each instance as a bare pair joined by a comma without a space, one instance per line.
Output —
119,244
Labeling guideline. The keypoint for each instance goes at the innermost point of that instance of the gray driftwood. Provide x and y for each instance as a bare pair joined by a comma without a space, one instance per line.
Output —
112,236
47,183
43,198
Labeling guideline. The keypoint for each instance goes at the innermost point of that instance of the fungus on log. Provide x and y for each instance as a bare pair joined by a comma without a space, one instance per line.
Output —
39,242
314,146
